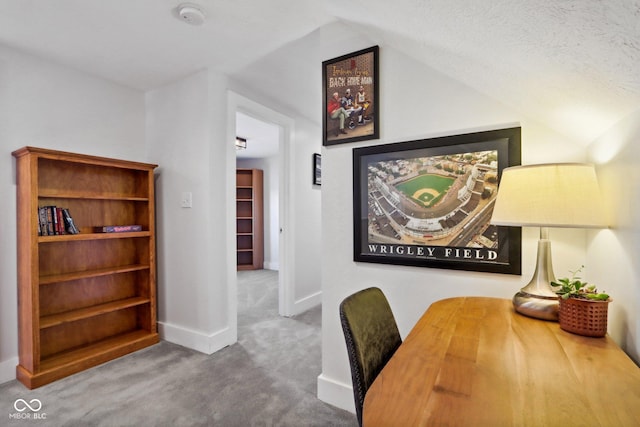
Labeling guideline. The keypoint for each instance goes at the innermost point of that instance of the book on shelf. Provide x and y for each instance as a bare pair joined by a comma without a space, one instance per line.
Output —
117,228
60,227
69,225
43,229
51,230
54,221
46,221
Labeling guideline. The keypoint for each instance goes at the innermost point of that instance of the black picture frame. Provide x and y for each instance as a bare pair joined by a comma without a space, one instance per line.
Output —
357,73
428,202
317,169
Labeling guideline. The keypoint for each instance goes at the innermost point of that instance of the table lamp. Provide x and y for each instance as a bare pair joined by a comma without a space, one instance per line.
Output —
547,195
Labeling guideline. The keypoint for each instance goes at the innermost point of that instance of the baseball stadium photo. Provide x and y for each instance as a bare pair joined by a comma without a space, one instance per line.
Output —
438,201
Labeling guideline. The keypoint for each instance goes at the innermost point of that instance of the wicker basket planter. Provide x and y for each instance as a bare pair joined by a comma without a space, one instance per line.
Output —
583,317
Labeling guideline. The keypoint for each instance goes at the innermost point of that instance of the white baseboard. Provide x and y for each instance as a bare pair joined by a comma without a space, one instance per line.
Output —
8,370
336,393
196,340
307,303
271,266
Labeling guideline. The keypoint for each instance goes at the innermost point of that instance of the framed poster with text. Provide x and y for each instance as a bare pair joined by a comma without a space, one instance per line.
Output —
428,203
351,97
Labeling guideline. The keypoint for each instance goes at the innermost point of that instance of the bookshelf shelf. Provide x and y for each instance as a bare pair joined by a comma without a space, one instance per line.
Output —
113,344
75,360
92,236
67,277
249,219
86,298
53,194
85,313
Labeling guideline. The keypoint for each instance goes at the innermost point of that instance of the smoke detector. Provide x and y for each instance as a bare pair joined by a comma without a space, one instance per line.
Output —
191,13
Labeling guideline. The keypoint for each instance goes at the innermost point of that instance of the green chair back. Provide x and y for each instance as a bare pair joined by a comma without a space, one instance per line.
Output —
372,337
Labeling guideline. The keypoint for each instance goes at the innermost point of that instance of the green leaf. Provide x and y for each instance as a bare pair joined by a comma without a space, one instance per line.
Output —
597,297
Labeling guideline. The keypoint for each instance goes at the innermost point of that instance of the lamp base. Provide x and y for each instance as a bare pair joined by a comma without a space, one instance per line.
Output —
540,307
538,299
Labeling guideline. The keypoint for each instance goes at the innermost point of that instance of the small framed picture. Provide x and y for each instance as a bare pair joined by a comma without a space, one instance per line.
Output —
317,169
351,101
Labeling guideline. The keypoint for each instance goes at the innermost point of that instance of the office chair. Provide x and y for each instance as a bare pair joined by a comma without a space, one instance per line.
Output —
372,337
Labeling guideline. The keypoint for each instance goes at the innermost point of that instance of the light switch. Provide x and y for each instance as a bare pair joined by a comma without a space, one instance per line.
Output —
186,201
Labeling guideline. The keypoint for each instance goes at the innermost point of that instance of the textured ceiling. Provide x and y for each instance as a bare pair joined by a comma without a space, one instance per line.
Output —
572,64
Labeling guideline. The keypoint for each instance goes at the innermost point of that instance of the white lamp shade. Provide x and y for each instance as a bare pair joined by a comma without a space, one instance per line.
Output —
549,195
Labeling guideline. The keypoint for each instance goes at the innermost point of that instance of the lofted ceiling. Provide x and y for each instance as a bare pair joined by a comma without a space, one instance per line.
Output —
571,64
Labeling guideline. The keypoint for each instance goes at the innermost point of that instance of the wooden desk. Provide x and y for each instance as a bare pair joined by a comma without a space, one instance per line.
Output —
475,362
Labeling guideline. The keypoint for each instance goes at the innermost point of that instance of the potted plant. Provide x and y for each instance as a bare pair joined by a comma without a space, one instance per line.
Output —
583,309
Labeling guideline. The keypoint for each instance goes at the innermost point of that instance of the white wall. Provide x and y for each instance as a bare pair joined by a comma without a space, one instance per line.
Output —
271,188
49,106
612,261
307,221
187,136
417,102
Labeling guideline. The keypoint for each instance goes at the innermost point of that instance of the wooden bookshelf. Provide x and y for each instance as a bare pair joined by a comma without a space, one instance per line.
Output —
83,299
249,219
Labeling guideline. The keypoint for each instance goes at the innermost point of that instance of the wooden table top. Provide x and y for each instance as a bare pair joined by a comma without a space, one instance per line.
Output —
473,361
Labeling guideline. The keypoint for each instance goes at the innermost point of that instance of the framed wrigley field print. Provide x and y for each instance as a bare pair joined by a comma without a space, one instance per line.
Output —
428,202
351,97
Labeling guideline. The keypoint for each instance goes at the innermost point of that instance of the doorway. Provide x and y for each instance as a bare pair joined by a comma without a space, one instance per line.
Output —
244,113
260,150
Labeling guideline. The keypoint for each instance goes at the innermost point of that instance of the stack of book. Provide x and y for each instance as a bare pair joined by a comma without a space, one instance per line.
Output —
53,220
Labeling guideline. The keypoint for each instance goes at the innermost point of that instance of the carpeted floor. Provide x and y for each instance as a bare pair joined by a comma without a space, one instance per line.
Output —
268,378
